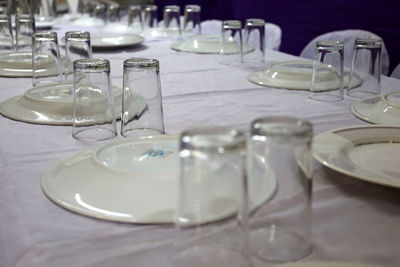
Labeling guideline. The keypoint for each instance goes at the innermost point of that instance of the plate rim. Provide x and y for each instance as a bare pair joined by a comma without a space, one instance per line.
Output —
380,181
141,40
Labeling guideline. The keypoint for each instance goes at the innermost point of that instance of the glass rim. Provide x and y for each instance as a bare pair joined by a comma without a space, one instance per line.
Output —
172,8
255,22
212,139
328,44
24,16
282,127
231,24
141,63
151,8
45,35
135,7
5,16
92,64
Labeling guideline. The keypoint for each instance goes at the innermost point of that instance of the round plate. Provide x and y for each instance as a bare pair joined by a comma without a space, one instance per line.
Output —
52,105
296,75
19,64
378,109
369,153
109,40
206,44
128,180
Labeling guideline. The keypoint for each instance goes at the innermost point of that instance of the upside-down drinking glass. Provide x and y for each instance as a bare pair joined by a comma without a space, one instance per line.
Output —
211,215
172,23
366,65
93,116
232,44
24,29
254,35
191,21
77,46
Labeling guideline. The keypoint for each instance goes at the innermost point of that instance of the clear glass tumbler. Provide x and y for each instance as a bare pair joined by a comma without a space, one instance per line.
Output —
24,29
93,116
46,64
150,16
254,35
327,75
211,219
232,43
142,111
113,13
191,21
77,46
366,65
6,34
280,188
172,22
135,22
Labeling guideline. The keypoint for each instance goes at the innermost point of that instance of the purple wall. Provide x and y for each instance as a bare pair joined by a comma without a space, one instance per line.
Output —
301,21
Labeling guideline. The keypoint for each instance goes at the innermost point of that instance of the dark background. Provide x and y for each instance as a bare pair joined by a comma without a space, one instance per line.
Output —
302,20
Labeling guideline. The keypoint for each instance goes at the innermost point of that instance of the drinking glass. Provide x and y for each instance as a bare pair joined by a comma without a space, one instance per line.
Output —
255,40
150,16
172,22
77,46
211,215
24,28
112,13
280,188
327,75
135,21
46,65
99,11
232,45
93,116
6,35
142,111
366,64
191,20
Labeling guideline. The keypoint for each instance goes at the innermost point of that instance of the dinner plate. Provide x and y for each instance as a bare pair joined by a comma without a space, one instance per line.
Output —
369,153
129,180
19,64
207,44
324,264
297,75
110,40
379,109
53,104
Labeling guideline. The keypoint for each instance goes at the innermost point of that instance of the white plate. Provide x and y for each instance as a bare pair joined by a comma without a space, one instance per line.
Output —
110,40
19,64
44,24
128,180
379,109
370,153
296,75
53,104
206,44
324,264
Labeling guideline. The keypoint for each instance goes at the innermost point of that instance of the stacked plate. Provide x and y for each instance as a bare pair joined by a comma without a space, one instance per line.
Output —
118,181
53,104
207,44
379,109
297,75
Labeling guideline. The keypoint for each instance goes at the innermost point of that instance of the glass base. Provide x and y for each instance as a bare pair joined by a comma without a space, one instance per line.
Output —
278,245
211,257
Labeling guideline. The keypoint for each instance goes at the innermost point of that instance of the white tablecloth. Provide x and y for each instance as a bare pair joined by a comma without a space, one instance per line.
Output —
352,220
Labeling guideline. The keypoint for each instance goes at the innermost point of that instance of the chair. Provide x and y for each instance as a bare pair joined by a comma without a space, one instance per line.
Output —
273,33
396,72
348,37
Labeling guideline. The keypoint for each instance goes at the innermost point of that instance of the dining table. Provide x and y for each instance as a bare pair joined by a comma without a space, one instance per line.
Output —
352,220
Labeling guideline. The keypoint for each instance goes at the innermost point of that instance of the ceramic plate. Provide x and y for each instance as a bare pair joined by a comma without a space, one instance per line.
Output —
109,40
297,75
52,105
379,109
370,153
324,264
19,64
128,180
206,44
